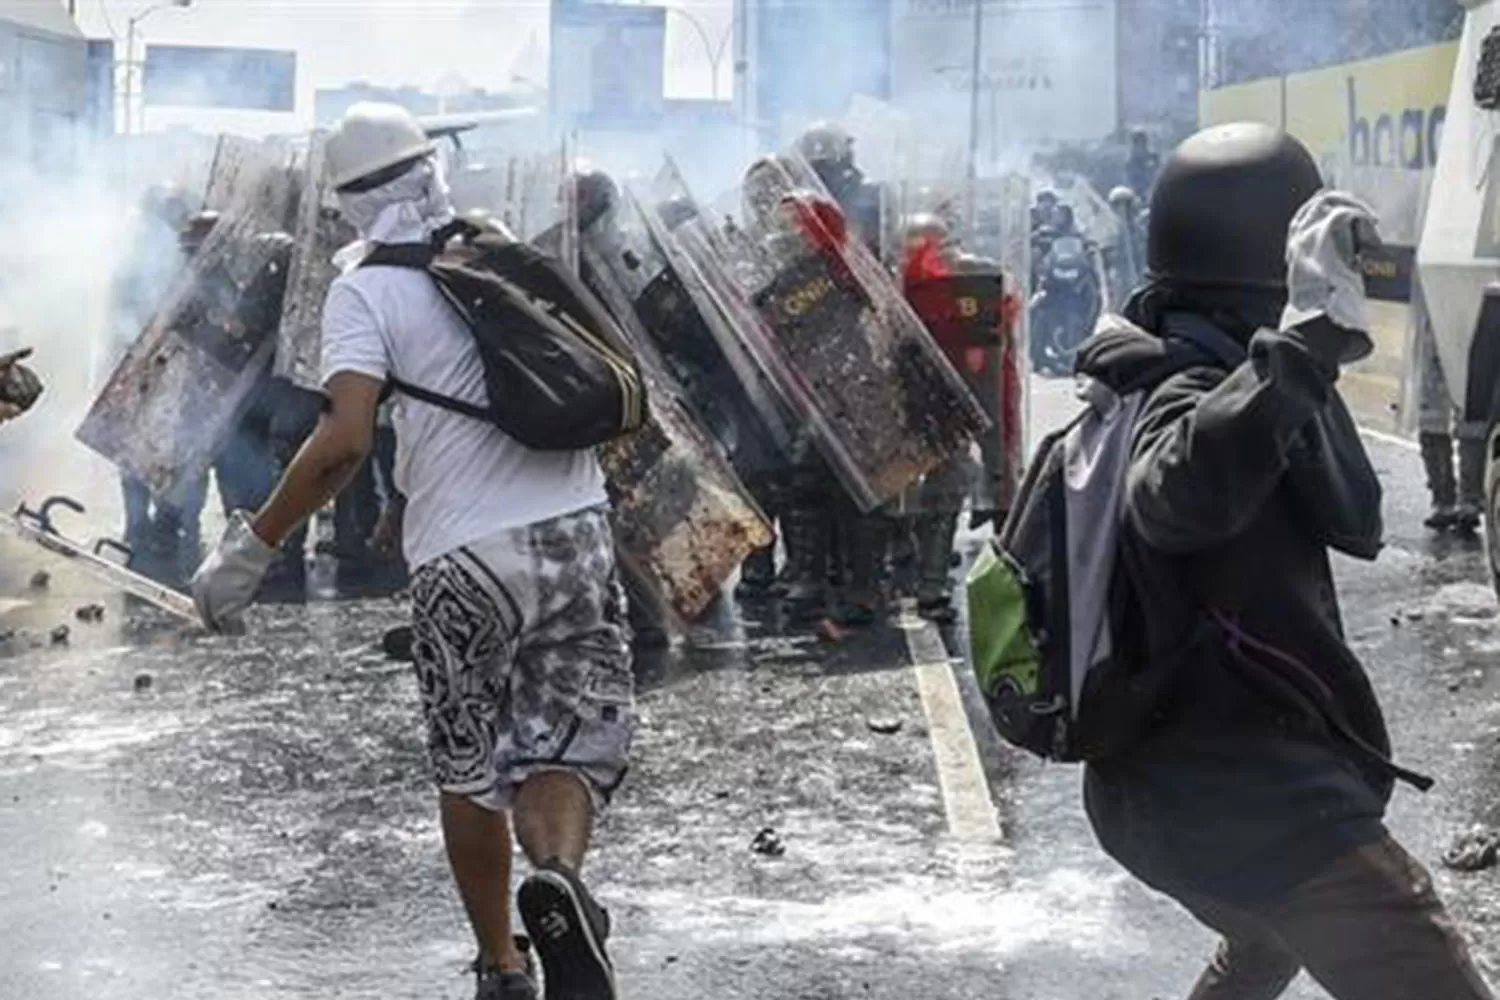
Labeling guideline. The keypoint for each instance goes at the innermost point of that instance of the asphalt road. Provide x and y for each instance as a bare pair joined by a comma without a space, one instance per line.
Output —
250,818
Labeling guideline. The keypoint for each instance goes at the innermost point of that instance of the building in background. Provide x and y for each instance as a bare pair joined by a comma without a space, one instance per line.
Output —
330,104
809,59
608,66
1251,39
44,92
1160,51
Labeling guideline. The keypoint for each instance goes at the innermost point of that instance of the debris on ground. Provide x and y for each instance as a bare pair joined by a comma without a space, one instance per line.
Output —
92,613
41,580
1474,850
885,727
397,643
769,843
831,631
61,635
143,682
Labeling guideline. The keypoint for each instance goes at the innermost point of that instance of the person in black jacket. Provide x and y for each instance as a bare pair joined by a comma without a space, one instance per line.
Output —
1257,797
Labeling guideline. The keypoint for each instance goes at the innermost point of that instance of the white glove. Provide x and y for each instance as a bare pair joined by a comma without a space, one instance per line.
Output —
225,584
1324,276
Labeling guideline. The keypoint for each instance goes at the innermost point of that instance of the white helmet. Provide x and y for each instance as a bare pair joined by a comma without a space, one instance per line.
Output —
373,137
926,226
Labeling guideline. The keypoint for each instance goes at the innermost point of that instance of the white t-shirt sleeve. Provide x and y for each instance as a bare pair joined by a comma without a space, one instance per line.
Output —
351,336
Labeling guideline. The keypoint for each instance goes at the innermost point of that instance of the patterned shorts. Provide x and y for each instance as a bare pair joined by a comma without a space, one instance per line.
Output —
523,660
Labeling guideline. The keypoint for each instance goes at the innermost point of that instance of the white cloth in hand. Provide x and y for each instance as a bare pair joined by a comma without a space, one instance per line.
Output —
1324,276
225,584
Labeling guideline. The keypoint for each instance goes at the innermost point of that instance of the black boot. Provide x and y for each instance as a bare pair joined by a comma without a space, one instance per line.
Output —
1471,470
757,574
934,537
867,540
1437,459
805,574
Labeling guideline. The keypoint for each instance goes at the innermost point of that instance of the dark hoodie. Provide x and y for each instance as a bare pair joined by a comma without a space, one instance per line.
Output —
1267,759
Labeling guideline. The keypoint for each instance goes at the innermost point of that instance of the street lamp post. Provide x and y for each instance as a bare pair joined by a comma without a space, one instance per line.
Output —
130,63
977,69
715,53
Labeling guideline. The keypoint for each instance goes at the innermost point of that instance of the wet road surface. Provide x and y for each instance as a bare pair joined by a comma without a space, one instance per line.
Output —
250,818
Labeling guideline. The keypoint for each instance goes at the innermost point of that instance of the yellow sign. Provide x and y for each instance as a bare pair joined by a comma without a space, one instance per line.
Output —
1382,113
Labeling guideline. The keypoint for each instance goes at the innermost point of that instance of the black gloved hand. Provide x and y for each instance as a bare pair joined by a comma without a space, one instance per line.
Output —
1330,345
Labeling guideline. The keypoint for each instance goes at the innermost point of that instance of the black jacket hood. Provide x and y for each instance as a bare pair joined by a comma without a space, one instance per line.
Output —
1121,354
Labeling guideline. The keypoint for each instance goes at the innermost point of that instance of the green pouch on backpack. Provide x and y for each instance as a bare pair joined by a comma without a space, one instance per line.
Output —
1006,655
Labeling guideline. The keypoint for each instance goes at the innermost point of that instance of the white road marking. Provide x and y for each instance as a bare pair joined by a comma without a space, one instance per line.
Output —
1391,439
966,792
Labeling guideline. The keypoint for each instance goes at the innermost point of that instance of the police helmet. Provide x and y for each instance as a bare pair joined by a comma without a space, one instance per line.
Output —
826,144
1222,206
193,232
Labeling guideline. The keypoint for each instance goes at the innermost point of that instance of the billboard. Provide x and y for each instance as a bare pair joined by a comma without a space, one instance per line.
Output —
1374,125
198,76
607,64
1047,70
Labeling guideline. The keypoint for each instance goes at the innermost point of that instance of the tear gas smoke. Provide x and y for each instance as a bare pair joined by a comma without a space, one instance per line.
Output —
69,239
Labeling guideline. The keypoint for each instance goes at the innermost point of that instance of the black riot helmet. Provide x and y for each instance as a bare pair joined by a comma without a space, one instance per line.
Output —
193,232
596,193
1222,206
677,211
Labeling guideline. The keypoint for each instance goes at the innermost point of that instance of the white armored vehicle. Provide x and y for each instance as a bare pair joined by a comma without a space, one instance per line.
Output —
1458,259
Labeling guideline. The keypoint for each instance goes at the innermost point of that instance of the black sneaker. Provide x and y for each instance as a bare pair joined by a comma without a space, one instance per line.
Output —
493,984
568,929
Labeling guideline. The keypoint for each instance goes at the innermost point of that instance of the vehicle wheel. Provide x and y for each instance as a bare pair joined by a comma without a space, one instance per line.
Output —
1492,511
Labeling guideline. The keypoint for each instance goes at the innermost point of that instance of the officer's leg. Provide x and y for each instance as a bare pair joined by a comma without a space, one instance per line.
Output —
866,549
943,492
1472,443
1434,420
805,532
758,572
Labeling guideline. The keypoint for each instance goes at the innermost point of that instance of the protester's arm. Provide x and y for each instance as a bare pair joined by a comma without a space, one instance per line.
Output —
354,363
334,453
1210,448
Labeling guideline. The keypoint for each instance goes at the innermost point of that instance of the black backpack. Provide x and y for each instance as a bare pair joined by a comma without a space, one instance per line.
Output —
559,372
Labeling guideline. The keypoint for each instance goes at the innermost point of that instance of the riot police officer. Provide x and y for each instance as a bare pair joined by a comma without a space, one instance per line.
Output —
860,543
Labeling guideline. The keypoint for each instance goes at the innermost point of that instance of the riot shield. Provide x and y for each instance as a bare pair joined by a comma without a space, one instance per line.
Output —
529,194
826,329
171,401
319,233
727,406
684,522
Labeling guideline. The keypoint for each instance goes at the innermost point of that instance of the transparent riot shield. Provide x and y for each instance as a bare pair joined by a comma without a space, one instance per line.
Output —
319,233
827,330
171,401
684,521
529,194
972,294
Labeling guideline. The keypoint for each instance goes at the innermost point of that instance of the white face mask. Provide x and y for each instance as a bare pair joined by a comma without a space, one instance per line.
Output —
407,210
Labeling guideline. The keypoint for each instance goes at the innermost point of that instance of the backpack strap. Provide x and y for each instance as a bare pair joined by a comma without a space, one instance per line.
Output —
419,257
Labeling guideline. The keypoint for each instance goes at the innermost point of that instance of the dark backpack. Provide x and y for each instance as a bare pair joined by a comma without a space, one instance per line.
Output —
1058,676
559,372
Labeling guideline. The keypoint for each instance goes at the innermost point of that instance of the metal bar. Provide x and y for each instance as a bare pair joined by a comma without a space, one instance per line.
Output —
102,569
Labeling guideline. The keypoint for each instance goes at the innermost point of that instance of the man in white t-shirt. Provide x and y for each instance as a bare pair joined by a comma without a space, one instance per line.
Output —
520,644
